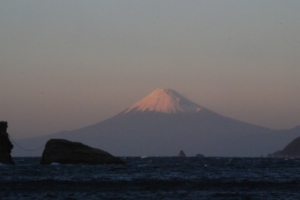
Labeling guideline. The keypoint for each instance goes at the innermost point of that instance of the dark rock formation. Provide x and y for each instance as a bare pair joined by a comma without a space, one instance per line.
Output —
5,145
66,152
181,154
199,155
291,150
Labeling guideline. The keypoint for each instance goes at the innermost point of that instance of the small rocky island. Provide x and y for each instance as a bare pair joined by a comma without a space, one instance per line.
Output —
181,154
199,155
67,152
5,145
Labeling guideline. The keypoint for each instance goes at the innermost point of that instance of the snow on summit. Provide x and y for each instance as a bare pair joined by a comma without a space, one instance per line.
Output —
164,101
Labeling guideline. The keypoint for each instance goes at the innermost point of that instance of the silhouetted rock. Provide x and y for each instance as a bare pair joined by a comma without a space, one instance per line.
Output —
5,145
66,152
181,154
199,155
291,150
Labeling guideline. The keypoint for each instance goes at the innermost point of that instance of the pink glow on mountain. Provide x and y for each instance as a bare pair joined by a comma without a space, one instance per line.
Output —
165,101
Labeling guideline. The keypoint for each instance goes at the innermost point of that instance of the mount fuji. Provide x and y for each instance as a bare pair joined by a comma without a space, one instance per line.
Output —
165,122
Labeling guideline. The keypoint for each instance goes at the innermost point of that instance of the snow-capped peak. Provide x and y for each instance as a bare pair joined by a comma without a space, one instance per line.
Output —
164,101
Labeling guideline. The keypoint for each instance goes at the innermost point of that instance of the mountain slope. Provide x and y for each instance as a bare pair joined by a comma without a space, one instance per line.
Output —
164,122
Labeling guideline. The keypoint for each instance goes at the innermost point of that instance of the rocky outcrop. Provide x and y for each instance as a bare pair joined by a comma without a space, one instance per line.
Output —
181,154
5,145
199,155
67,152
291,150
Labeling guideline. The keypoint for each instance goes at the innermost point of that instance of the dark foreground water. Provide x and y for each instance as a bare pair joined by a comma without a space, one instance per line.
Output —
154,178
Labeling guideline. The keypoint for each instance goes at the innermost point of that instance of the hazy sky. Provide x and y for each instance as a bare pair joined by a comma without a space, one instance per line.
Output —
66,64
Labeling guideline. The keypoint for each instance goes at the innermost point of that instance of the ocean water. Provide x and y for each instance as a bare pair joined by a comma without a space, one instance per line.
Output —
154,178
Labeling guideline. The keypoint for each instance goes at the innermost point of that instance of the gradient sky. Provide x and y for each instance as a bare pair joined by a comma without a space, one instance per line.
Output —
66,64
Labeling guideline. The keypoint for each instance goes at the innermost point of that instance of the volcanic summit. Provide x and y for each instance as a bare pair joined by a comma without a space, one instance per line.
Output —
164,101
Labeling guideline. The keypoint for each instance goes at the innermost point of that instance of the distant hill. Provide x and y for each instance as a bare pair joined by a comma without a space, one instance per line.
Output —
163,123
291,150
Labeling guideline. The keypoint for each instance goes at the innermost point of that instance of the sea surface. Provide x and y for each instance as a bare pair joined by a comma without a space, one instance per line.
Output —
154,178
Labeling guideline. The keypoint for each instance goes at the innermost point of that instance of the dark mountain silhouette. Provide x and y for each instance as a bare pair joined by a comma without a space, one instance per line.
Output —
164,122
292,149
